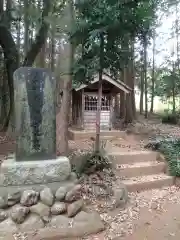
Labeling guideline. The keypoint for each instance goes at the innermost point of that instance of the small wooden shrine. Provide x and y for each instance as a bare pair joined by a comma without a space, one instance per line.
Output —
85,100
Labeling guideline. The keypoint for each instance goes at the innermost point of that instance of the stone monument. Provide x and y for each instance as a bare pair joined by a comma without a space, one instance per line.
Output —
35,114
35,159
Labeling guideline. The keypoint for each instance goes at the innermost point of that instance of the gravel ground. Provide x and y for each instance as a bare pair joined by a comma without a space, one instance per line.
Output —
149,215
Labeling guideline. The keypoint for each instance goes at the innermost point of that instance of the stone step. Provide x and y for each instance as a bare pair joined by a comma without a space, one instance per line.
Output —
133,156
85,134
140,169
142,183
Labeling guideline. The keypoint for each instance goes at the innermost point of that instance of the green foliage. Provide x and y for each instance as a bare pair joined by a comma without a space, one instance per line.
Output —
119,21
170,147
168,84
91,162
170,117
172,155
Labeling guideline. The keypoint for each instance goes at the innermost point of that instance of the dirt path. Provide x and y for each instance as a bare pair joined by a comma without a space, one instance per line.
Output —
156,224
150,215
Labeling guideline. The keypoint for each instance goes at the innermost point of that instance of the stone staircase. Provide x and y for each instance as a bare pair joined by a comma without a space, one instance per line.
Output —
140,170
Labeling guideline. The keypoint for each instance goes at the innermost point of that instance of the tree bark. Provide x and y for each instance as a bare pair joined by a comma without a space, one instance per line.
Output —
98,114
173,91
153,75
130,82
129,111
8,13
65,66
141,107
123,97
52,51
177,36
145,75
1,8
40,37
26,26
12,63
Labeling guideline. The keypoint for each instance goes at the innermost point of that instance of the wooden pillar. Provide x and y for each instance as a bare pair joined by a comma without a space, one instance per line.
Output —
111,112
74,110
82,109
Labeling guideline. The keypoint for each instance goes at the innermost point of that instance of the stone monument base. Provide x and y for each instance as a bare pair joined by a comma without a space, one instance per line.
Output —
34,174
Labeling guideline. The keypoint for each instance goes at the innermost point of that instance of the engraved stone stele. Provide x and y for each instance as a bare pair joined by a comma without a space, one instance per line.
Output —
35,114
35,163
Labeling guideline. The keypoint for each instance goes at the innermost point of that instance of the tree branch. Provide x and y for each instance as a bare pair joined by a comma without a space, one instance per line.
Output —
40,37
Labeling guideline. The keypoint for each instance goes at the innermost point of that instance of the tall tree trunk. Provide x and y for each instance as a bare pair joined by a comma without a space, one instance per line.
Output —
9,49
129,81
3,89
8,13
12,57
122,111
18,39
53,45
153,73
12,63
40,37
174,99
145,75
177,36
98,115
129,111
173,91
2,82
66,61
41,58
132,80
26,26
141,107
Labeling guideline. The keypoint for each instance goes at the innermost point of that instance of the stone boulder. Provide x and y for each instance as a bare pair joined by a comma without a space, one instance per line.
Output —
13,198
33,222
86,224
60,221
8,226
58,208
61,193
74,193
62,227
19,213
47,197
3,202
82,216
3,215
120,196
29,198
42,210
73,177
74,208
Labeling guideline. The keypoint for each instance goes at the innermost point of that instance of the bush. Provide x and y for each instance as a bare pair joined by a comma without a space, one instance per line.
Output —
170,147
172,155
170,118
92,161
